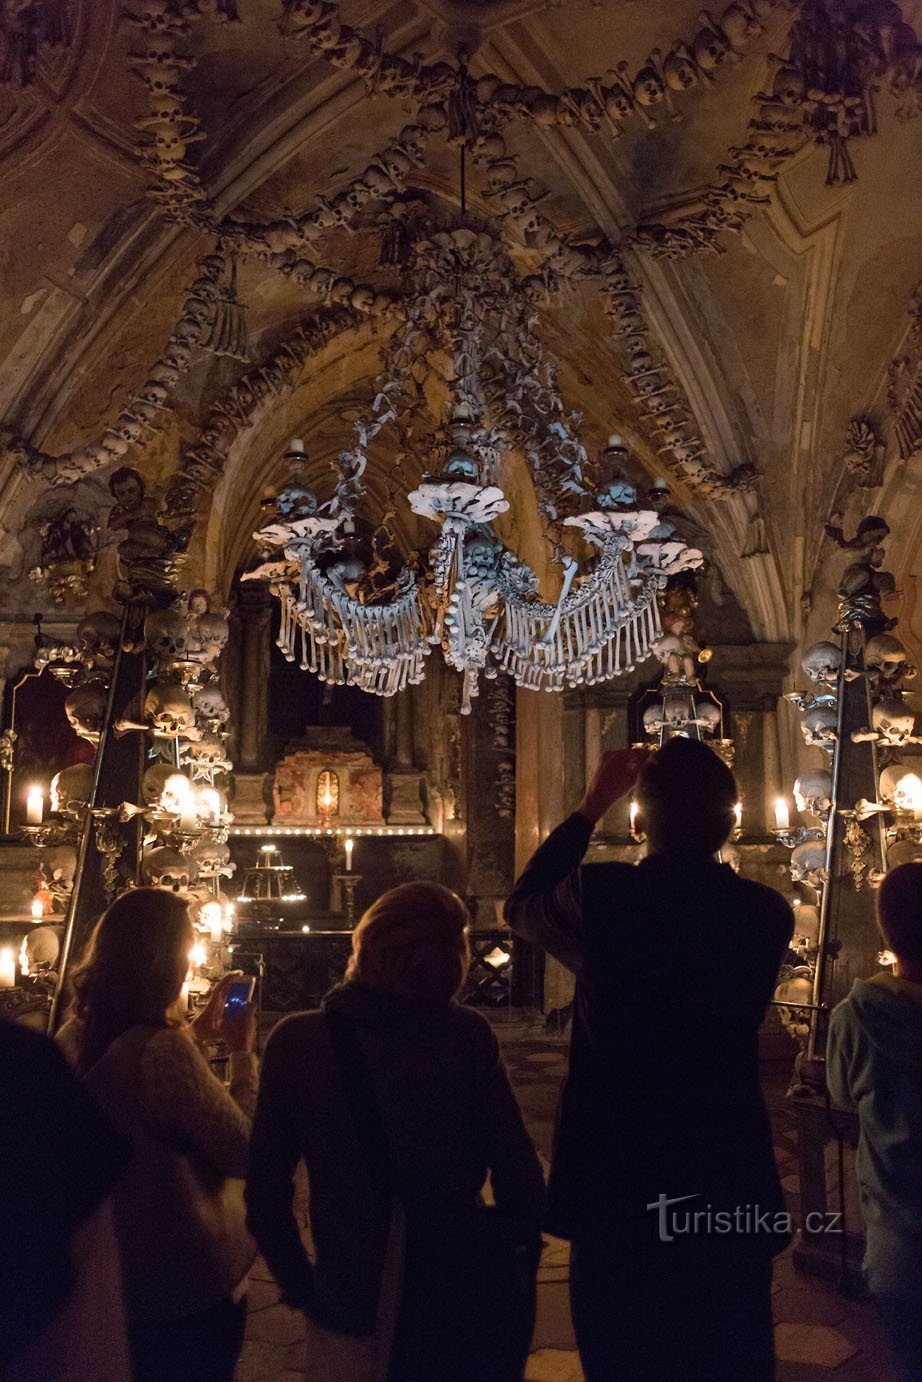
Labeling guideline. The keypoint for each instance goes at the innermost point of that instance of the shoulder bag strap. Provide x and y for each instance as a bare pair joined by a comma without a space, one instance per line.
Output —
363,1105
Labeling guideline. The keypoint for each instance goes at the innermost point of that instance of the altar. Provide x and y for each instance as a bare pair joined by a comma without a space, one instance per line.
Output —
294,968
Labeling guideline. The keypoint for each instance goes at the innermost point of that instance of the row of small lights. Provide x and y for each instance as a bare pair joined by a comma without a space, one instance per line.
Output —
329,832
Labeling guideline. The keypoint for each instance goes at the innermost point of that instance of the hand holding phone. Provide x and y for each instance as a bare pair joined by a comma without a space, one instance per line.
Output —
237,995
236,1026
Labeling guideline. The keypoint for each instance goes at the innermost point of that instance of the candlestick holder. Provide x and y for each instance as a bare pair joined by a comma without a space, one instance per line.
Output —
796,835
350,881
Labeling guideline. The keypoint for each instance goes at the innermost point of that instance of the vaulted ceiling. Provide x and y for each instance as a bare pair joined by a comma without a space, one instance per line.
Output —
775,332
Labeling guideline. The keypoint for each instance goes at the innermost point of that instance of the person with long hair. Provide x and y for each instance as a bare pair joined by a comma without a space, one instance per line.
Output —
397,1101
179,1207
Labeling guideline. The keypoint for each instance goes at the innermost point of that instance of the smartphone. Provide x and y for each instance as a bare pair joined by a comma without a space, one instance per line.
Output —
238,995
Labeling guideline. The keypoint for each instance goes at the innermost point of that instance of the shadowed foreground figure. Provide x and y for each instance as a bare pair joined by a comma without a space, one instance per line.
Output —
874,1069
675,961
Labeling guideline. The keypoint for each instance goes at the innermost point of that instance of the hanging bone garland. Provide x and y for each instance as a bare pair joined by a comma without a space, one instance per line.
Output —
581,639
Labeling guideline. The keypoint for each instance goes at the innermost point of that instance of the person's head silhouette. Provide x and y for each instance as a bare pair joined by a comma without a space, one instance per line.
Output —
686,798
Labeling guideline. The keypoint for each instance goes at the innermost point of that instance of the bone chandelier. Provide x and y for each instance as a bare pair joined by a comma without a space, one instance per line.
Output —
354,618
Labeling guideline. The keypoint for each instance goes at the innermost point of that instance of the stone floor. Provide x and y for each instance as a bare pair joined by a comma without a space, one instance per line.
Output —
819,1333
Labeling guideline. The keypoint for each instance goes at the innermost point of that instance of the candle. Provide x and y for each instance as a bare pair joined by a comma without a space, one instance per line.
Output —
738,813
212,916
782,814
198,956
633,816
349,847
188,813
211,802
35,806
7,967
38,909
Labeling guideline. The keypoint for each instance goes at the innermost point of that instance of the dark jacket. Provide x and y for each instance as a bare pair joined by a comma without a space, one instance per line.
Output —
874,1068
675,962
451,1118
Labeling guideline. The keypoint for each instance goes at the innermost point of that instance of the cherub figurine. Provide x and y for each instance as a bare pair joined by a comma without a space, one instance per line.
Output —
132,502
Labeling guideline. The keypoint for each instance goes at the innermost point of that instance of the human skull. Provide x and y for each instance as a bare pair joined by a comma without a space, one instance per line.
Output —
653,718
213,630
788,86
821,662
212,857
165,867
363,298
98,636
806,921
481,552
886,657
710,48
40,949
894,788
295,500
514,200
819,725
58,866
813,791
85,708
462,465
893,719
154,781
808,863
680,70
648,87
207,752
739,25
616,494
709,716
71,788
678,711
175,793
209,703
166,634
168,709
796,991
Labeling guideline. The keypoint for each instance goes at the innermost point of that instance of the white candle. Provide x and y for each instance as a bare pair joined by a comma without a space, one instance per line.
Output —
38,909
35,806
7,967
782,814
738,813
212,915
211,802
633,815
188,814
349,846
198,956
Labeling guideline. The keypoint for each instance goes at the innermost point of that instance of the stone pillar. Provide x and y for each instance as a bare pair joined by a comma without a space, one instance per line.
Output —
248,697
405,780
253,611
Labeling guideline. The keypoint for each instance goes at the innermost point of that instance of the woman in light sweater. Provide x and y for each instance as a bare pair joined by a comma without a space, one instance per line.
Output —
179,1206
